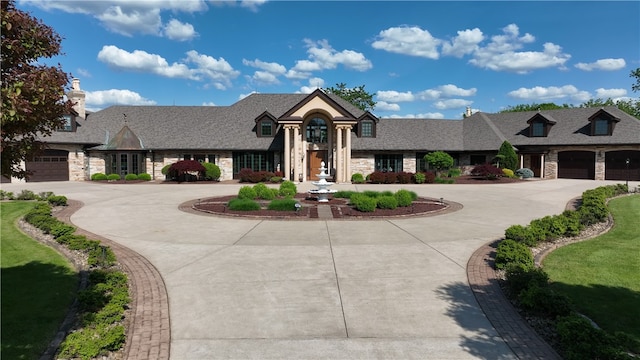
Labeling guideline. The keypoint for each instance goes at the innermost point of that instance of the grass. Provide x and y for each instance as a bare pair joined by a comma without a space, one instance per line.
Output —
602,275
38,286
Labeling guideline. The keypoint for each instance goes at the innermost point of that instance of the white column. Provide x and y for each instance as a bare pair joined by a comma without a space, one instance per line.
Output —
339,166
296,154
347,165
521,161
542,166
287,153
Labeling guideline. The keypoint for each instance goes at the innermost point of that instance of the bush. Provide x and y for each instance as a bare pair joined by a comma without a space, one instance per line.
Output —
512,252
377,177
288,189
61,229
185,170
212,171
520,279
98,177
363,203
57,200
247,192
419,178
487,171
580,340
523,234
524,173
387,202
343,194
6,195
26,195
144,177
244,175
430,177
113,177
508,156
165,170
439,180
131,177
507,172
404,198
439,160
263,192
390,177
454,172
283,205
276,179
543,301
243,205
357,178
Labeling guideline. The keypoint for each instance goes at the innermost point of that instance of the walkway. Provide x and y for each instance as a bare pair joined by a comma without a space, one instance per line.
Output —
241,288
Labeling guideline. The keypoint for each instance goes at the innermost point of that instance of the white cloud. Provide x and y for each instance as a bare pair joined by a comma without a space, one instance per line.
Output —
218,70
450,90
209,103
395,96
435,115
272,67
264,78
314,83
610,93
452,104
603,64
84,73
176,30
501,54
252,5
408,41
128,23
465,43
242,96
539,93
141,61
297,75
385,106
104,98
322,57
429,94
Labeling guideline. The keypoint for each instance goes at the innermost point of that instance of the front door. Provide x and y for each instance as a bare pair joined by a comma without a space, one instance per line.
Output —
315,157
536,164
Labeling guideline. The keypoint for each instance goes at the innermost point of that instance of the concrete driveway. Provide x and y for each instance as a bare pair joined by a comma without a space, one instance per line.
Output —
340,289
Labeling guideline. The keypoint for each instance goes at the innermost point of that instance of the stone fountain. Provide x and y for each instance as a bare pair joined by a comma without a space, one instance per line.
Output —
322,185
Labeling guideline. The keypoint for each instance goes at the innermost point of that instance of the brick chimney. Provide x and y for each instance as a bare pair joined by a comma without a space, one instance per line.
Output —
468,112
77,96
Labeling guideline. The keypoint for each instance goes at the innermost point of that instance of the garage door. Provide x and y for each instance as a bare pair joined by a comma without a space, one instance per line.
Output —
616,165
51,165
577,165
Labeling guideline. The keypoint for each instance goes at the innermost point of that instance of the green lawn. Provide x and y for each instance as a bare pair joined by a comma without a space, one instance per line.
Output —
38,286
602,275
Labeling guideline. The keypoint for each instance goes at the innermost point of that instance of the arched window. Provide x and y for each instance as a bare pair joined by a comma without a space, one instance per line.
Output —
317,131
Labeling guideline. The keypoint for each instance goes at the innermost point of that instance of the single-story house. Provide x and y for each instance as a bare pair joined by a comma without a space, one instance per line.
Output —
293,133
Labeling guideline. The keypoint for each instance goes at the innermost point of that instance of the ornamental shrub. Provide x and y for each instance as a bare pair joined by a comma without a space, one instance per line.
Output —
512,252
263,192
276,179
509,158
439,160
61,229
487,171
430,177
113,177
26,195
212,171
520,279
419,178
525,173
579,340
454,172
57,200
247,192
404,198
543,301
440,180
572,221
131,177
372,193
343,194
144,177
288,189
507,172
244,175
186,170
390,177
387,202
98,177
165,169
243,205
357,178
283,204
377,177
363,203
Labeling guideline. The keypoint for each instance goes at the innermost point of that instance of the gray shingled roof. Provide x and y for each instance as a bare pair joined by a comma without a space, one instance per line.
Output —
233,128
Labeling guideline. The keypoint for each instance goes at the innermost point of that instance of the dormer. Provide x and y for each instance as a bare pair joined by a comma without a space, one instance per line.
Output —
69,124
266,125
602,123
540,125
366,127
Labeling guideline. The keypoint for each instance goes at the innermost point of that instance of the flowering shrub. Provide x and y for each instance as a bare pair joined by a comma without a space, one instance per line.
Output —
487,170
184,170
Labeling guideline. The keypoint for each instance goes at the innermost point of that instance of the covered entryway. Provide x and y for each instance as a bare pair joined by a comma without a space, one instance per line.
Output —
50,165
315,158
616,165
577,165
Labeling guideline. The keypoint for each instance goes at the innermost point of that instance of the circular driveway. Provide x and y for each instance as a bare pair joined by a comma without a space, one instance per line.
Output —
268,289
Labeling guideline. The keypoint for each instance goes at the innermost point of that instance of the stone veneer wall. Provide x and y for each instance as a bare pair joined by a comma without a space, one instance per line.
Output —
225,162
409,162
551,165
363,163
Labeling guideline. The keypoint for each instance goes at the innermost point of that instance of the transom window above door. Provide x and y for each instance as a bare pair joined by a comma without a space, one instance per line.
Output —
317,131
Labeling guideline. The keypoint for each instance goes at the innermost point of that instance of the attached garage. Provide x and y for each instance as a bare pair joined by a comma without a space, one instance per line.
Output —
616,165
51,165
577,165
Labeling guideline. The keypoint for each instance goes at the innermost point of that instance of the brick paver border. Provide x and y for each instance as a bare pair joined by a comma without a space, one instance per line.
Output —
149,330
515,331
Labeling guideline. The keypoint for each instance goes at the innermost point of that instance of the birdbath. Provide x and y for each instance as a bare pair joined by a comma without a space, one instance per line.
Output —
322,185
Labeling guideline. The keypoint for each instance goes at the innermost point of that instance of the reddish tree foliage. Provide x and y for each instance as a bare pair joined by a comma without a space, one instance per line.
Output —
183,168
32,93
487,170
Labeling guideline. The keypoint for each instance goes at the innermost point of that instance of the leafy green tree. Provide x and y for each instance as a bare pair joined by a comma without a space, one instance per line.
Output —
631,107
635,74
508,157
439,160
32,93
358,96
535,107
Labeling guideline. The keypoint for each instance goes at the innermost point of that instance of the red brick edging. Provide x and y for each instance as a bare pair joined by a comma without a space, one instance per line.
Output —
517,334
149,330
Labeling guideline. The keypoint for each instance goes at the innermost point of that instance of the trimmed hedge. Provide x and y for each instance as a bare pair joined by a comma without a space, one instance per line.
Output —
239,204
283,205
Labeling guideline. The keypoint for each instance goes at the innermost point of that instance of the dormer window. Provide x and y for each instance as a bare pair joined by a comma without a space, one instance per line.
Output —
266,128
367,128
540,125
602,123
68,123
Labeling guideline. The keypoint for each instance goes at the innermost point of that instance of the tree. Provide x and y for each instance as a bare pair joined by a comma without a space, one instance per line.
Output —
356,96
635,74
535,107
32,93
439,160
508,157
631,107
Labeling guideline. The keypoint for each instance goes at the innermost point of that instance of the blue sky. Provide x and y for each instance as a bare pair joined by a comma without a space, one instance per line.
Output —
423,59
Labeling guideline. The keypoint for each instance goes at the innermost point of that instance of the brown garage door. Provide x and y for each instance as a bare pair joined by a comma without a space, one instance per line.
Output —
577,165
51,165
616,165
